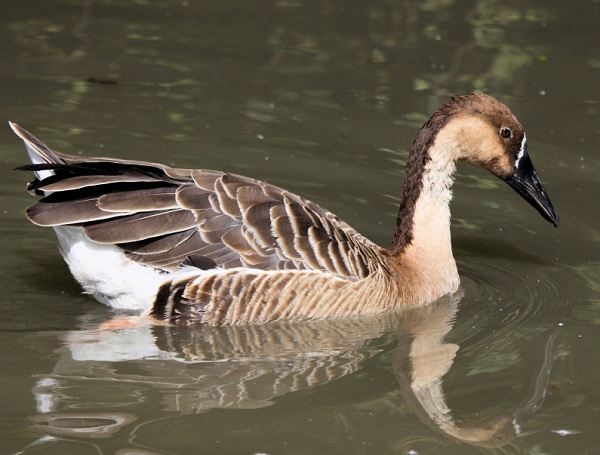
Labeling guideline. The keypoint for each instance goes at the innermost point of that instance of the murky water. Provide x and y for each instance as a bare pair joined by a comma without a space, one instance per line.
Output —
322,98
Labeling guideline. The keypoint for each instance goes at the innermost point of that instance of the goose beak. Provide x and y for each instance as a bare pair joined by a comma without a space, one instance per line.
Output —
525,181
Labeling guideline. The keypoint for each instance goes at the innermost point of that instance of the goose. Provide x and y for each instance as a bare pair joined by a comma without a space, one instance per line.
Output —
210,247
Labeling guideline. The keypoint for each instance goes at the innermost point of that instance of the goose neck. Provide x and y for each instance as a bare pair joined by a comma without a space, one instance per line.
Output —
424,211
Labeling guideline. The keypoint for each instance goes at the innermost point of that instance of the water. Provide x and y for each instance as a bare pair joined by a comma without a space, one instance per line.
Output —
324,99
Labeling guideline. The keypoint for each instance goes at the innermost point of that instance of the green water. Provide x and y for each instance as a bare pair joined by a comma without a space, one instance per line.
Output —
324,99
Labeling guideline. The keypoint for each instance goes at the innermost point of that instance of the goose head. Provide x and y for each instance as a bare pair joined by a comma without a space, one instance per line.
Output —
475,128
481,130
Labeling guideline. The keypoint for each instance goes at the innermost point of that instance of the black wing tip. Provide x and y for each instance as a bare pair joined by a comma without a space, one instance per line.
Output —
39,167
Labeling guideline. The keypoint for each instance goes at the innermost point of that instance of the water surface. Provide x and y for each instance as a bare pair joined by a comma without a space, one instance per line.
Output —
324,99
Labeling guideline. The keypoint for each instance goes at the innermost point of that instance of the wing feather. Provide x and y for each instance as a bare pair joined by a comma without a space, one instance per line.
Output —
160,216
145,200
138,226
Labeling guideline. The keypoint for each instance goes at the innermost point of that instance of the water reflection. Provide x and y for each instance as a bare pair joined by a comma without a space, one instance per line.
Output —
190,371
421,365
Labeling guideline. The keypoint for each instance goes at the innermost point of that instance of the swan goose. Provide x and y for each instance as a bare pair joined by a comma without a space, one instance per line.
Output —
210,247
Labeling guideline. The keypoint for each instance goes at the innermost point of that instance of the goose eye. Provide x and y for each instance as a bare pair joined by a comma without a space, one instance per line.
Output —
505,133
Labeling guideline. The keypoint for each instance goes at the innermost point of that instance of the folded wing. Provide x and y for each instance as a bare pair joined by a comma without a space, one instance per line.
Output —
164,217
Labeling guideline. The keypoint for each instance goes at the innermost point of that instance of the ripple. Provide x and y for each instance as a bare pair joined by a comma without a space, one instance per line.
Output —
507,306
589,308
512,291
87,425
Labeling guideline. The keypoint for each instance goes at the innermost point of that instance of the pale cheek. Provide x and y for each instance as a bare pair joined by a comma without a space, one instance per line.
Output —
503,166
493,157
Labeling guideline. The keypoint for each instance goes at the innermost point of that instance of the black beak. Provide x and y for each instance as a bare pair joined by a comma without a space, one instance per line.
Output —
525,181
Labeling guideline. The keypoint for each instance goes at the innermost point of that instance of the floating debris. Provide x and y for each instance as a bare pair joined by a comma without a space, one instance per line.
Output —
566,432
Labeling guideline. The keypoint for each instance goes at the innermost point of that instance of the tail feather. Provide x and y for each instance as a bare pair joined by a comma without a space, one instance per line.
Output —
39,153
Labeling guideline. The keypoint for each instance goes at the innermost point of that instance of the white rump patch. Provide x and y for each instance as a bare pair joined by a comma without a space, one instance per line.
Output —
106,273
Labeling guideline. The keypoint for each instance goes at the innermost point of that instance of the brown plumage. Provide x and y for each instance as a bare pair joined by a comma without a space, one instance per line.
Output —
227,249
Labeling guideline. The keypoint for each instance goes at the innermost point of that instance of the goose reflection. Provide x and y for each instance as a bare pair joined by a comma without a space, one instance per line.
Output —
190,370
421,364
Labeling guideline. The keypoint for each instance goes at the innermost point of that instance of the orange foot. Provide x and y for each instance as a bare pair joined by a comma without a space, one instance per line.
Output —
119,323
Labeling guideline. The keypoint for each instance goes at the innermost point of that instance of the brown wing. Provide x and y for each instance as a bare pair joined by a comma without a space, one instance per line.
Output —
164,217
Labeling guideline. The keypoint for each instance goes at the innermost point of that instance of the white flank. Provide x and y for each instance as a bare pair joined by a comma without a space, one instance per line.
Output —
106,273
